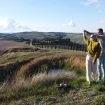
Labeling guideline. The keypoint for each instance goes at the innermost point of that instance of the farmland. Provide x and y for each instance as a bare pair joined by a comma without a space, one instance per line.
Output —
6,44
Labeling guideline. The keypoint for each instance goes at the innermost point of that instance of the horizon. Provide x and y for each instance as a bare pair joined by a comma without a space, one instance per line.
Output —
52,16
42,32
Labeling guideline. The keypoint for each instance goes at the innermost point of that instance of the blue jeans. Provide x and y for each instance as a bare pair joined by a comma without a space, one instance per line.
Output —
101,66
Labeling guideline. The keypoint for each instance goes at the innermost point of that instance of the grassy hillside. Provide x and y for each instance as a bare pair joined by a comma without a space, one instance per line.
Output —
32,85
75,37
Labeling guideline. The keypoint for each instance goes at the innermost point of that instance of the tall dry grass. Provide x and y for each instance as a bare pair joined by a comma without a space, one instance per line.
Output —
38,77
76,61
36,65
38,81
76,64
45,63
43,78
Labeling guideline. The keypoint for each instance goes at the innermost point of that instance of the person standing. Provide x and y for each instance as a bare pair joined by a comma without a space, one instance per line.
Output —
101,59
93,52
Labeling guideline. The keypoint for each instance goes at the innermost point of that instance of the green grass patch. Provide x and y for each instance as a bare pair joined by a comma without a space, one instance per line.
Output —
40,91
99,86
99,100
78,83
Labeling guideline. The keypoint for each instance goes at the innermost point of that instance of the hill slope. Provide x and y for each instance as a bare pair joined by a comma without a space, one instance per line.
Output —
75,37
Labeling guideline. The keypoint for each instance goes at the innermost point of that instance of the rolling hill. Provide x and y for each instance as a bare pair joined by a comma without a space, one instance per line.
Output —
75,37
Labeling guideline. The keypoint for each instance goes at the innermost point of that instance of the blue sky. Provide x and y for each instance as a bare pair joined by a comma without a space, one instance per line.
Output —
52,15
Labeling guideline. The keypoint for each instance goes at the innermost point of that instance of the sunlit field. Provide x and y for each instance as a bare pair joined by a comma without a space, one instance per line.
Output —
25,78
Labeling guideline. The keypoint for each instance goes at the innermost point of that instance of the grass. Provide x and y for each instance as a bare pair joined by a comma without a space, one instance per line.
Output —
100,86
41,88
78,83
38,86
99,100
20,56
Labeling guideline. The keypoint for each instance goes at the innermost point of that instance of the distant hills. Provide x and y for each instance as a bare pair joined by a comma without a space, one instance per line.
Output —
75,37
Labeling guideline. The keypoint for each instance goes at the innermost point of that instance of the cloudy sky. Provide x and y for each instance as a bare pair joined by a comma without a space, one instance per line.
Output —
52,15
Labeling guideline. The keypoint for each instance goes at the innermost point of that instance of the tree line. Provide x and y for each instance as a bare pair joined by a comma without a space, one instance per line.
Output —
58,43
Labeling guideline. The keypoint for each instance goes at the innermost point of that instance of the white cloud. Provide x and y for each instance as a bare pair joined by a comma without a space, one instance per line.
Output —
70,24
10,25
88,2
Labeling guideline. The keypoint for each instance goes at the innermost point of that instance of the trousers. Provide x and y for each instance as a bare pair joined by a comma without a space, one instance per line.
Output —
90,68
101,66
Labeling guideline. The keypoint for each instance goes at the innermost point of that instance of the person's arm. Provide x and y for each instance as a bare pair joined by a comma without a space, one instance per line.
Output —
85,38
88,32
97,54
100,36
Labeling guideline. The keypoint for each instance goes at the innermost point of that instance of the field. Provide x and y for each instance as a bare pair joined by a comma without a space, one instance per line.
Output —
4,44
24,78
